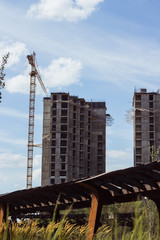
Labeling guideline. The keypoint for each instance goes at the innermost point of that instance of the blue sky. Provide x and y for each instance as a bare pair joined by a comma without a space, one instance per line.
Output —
97,49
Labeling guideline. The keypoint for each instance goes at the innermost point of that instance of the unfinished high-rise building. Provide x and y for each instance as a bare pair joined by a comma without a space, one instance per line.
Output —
74,133
146,126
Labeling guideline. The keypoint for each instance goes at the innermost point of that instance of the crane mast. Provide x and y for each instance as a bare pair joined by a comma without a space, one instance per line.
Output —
34,73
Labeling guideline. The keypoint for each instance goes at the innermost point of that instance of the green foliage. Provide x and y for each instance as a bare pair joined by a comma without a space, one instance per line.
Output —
154,153
145,221
2,74
145,226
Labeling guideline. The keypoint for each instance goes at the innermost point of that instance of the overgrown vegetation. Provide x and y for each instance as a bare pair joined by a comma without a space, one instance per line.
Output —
154,153
145,226
142,223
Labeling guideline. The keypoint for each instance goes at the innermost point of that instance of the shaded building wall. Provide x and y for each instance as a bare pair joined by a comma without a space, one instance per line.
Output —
98,138
146,125
77,142
46,145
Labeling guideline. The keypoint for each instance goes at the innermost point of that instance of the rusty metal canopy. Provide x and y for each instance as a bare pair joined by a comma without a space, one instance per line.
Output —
118,186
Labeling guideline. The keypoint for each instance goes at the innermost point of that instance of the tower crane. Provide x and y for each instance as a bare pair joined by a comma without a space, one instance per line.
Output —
33,74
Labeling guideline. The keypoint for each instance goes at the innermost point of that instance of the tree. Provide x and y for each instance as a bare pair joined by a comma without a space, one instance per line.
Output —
130,116
2,74
109,120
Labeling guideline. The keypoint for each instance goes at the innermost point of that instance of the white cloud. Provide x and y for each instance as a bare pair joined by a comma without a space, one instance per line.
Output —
125,133
69,10
61,72
37,161
16,50
36,174
4,111
119,159
10,160
5,137
20,142
36,180
119,154
37,170
13,171
12,182
18,84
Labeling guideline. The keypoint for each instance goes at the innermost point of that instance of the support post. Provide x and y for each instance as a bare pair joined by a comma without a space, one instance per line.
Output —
1,213
95,211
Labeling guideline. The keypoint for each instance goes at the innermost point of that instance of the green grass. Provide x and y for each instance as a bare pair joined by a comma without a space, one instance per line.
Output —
145,227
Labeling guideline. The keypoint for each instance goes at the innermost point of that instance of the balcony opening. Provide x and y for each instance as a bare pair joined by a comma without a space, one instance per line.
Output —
62,180
53,151
138,119
53,158
138,158
53,142
64,105
63,166
63,150
138,113
151,105
99,144
151,135
54,105
63,119
81,146
138,135
63,158
53,135
54,120
151,97
52,180
52,166
138,128
100,152
62,173
63,135
54,112
54,97
74,115
81,125
151,120
63,143
99,137
64,97
151,127
138,97
138,143
52,173
138,151
64,112
63,127
54,127
151,142
138,104
81,110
